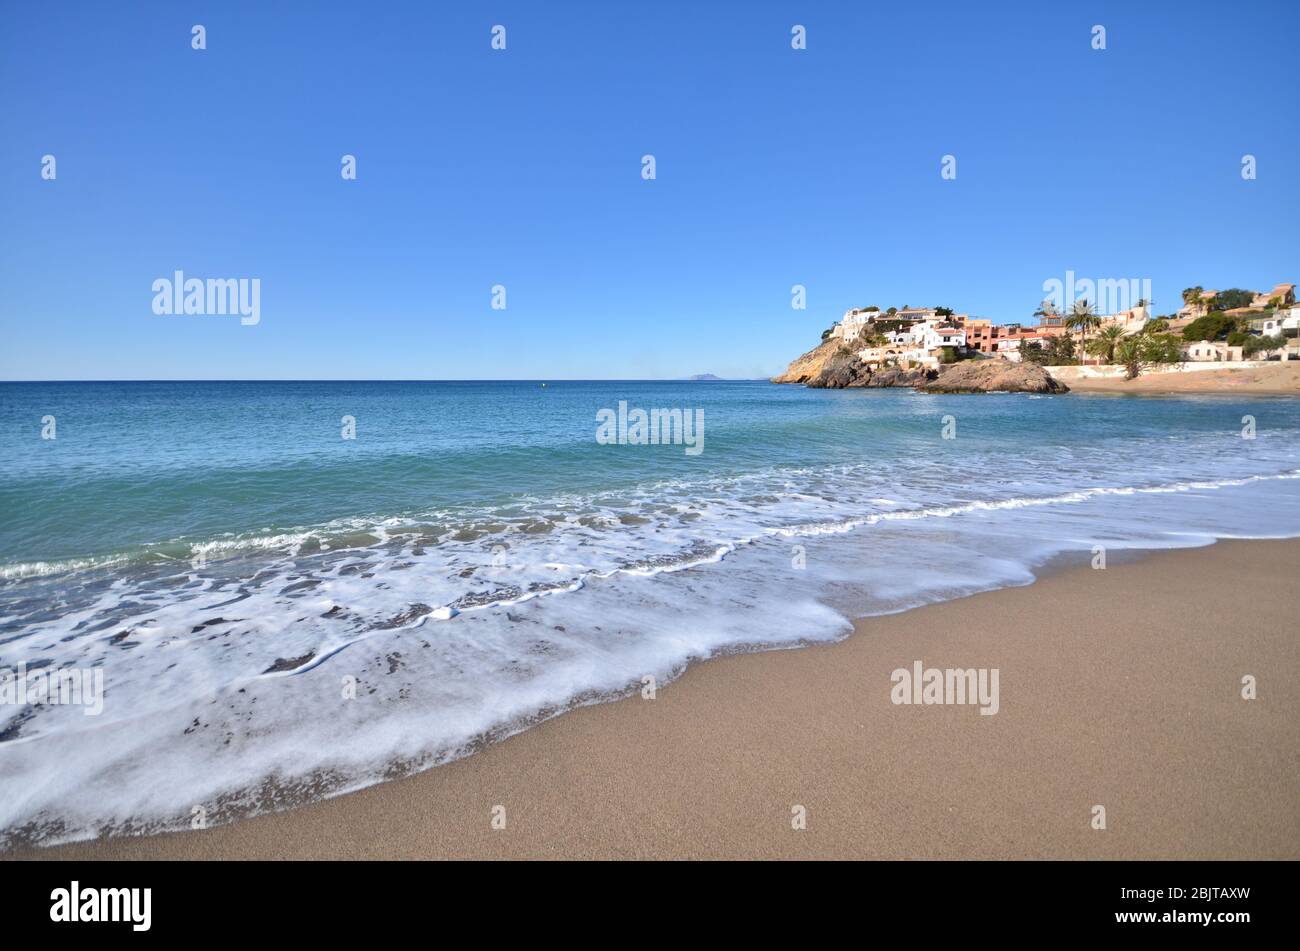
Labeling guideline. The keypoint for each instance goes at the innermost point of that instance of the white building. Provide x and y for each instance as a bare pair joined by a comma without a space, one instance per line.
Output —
1202,350
1131,321
916,313
926,358
852,322
899,356
880,356
1008,348
921,342
1269,326
943,335
1285,322
913,335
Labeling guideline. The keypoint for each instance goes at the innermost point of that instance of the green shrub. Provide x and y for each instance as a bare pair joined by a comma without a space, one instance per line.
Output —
1215,325
1256,345
1031,351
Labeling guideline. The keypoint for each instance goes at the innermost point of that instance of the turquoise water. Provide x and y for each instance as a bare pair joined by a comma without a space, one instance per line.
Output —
475,560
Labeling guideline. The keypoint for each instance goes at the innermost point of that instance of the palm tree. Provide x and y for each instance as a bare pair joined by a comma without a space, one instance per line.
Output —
1130,352
1192,299
1106,340
1046,309
1082,319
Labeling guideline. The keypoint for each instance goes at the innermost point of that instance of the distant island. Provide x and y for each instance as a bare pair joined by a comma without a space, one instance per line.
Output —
704,378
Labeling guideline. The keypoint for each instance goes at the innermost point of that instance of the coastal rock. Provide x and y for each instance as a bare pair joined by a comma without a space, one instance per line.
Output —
990,376
842,371
821,363
835,365
892,376
831,365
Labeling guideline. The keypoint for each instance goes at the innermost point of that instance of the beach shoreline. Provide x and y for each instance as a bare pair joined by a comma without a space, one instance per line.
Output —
1279,379
1118,688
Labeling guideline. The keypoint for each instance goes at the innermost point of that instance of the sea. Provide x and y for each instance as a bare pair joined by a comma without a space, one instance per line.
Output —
291,590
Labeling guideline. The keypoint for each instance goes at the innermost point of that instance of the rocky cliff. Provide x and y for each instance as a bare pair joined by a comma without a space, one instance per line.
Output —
834,365
811,365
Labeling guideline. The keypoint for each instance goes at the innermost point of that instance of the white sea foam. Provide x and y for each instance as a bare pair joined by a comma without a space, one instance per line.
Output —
37,569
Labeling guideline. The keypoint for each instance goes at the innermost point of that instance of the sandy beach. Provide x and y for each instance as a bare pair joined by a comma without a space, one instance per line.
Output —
1281,379
1119,688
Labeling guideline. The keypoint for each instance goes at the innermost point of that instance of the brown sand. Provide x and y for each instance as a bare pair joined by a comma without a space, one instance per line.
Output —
1118,687
1280,379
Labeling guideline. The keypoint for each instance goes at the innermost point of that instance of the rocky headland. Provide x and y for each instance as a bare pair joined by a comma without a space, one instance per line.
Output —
833,364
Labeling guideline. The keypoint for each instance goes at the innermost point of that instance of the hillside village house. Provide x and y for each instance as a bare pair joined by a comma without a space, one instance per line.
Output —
899,355
1008,346
1269,326
923,358
1282,294
852,322
1284,323
1202,350
981,335
1131,321
876,357
916,313
1198,309
944,335
909,336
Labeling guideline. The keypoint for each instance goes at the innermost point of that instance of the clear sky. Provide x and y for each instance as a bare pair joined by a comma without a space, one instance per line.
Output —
522,167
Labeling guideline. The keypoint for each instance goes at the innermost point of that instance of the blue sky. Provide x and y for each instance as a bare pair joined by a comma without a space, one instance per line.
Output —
522,167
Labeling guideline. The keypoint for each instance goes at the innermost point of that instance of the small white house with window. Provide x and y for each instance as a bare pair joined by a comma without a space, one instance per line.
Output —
1291,322
1269,326
914,335
852,323
944,336
921,357
880,356
1203,350
1008,347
